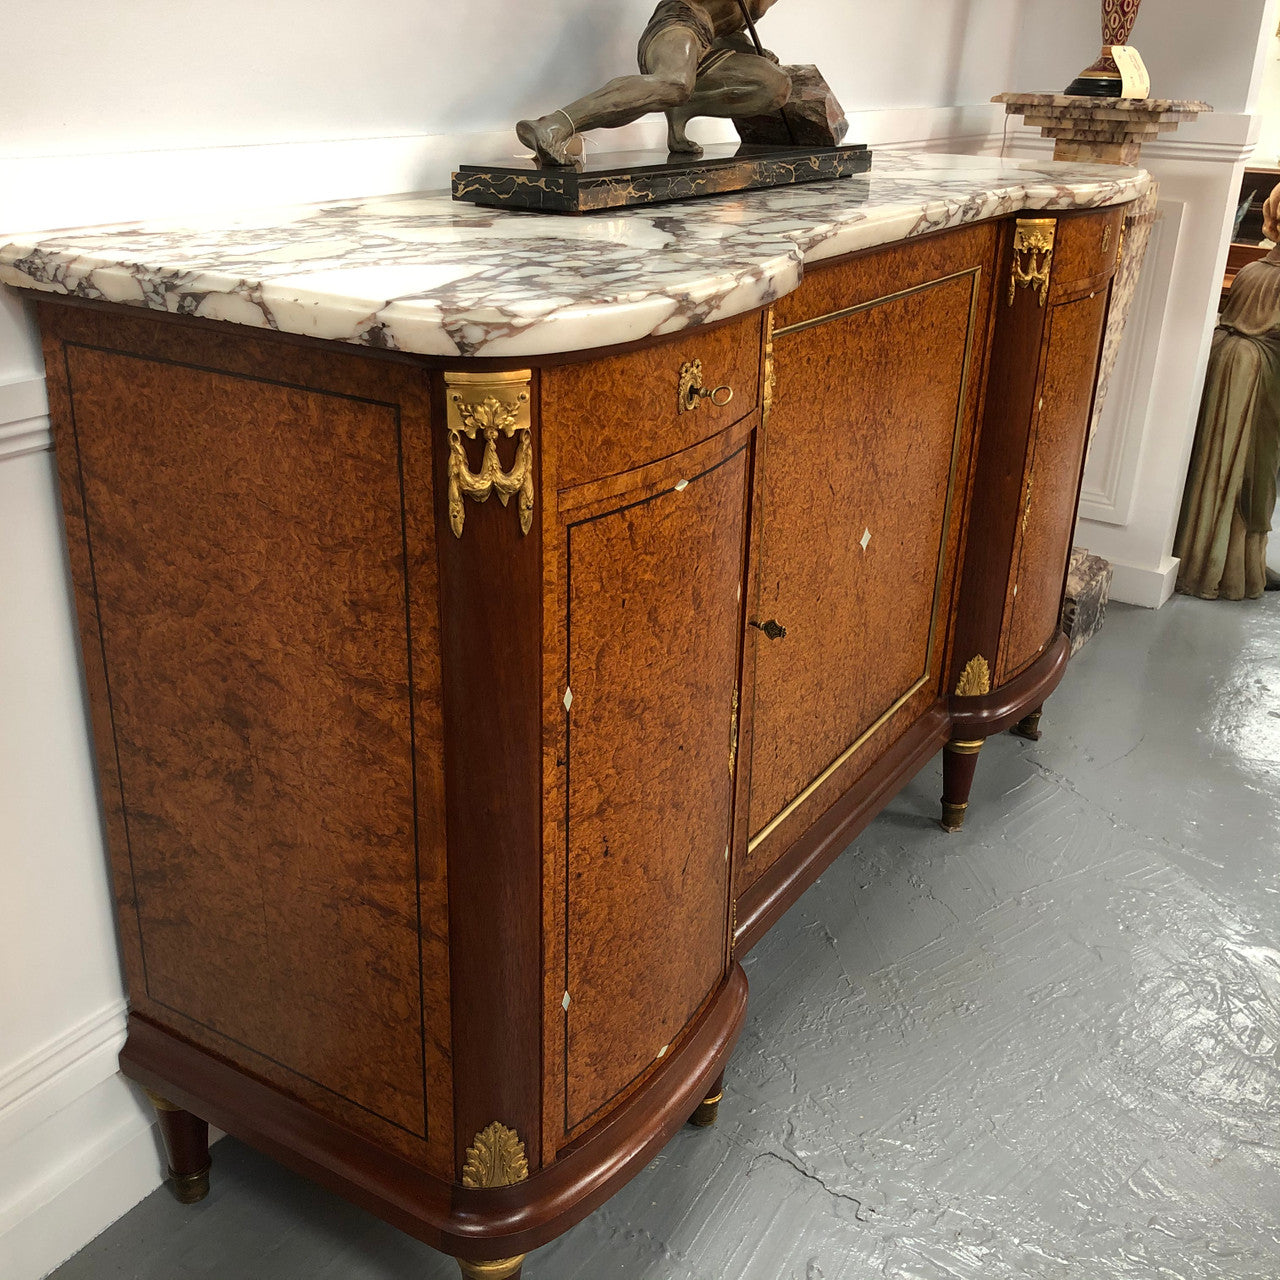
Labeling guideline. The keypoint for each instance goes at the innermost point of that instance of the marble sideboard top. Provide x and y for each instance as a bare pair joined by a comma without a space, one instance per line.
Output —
422,273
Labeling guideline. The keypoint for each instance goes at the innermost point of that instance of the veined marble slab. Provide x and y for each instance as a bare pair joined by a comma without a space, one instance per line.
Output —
424,274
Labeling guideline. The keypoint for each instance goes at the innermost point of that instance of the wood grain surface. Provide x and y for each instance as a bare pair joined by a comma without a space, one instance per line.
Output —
868,435
619,412
1052,483
250,573
654,627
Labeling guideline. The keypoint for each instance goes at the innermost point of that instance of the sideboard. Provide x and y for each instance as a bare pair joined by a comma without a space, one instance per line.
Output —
493,623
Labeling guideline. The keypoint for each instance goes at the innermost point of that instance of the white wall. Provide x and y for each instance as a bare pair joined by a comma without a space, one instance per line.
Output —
1211,52
1267,153
157,106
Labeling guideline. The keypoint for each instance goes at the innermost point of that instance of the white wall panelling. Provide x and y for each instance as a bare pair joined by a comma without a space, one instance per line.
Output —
1111,473
24,426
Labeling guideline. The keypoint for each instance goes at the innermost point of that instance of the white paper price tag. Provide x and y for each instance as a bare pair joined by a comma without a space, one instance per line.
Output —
1134,81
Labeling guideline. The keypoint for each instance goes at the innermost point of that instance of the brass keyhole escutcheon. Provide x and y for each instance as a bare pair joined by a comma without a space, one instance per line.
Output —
691,393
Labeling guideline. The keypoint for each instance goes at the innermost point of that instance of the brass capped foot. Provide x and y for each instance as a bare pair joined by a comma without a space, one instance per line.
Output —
708,1109
190,1188
1029,726
498,1269
959,758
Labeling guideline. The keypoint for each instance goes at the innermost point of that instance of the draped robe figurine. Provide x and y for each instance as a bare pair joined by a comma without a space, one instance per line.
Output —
696,59
1231,485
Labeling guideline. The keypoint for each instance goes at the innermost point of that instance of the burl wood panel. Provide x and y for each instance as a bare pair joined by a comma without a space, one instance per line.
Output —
619,412
654,633
860,448
1051,487
248,559
1085,247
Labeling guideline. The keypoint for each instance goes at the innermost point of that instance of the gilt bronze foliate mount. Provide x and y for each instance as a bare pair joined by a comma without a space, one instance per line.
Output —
489,405
495,1158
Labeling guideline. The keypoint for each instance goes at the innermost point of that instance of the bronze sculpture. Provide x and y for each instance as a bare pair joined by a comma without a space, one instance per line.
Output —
696,58
1231,484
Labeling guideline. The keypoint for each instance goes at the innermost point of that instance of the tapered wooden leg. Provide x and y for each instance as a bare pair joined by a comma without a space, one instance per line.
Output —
186,1144
959,760
500,1269
705,1116
1029,726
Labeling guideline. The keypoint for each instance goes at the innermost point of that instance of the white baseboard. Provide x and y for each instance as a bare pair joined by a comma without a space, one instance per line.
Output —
93,1168
77,1146
24,428
1142,585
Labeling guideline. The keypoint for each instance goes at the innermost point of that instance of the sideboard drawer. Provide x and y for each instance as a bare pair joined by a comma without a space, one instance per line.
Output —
1085,248
620,412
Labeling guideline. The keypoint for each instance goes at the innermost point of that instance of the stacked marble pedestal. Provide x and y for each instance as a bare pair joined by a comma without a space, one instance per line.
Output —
1103,131
1100,130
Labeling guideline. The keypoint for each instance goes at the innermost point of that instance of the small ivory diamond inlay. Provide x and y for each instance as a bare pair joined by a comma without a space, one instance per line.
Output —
568,699
681,485
865,539
564,1004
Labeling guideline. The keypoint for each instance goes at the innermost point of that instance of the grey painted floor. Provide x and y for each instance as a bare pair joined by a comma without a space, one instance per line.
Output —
1045,1047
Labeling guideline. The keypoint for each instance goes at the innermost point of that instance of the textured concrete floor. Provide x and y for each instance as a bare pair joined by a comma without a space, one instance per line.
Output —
1045,1047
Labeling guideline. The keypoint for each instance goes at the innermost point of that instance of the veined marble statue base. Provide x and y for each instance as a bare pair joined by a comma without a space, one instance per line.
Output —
1085,604
620,180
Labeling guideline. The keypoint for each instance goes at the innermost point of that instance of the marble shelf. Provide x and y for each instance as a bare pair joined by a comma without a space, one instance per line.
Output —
421,273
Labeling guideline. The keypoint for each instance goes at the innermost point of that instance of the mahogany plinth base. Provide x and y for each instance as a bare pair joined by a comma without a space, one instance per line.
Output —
1002,708
1029,726
502,1222
766,901
709,1108
186,1144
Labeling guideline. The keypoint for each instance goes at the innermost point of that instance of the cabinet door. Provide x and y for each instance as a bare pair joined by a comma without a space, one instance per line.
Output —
653,584
864,452
1051,483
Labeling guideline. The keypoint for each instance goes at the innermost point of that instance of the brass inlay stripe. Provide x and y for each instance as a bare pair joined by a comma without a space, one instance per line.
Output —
975,274
872,302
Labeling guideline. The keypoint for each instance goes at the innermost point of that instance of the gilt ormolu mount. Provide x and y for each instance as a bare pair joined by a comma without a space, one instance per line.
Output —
695,58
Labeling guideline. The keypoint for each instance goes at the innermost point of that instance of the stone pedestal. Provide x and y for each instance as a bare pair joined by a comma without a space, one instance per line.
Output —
1088,588
1104,131
1100,130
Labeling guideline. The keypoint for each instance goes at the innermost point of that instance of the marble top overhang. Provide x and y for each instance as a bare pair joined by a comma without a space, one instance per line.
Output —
421,273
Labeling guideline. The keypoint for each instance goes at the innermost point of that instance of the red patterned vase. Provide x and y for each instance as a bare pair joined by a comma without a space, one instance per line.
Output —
1102,79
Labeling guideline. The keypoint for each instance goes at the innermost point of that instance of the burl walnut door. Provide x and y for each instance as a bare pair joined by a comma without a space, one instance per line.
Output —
864,456
1051,484
653,584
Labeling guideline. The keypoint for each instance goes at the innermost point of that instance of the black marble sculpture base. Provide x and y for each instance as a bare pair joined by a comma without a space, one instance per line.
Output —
623,179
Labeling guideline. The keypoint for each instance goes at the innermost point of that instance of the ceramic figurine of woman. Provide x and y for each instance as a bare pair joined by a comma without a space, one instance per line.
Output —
1231,486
